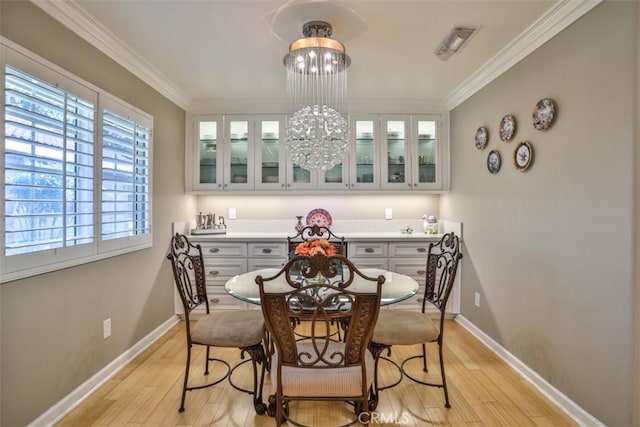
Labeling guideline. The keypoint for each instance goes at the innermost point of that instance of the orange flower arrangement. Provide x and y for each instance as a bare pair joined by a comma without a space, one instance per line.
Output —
318,246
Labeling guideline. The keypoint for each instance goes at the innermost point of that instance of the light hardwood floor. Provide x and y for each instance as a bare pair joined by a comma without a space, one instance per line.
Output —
483,390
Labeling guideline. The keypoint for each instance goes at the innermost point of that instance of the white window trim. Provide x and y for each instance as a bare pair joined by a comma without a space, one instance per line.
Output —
26,265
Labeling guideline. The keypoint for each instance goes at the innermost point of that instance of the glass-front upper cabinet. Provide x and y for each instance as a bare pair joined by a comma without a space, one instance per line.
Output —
395,163
270,154
426,170
238,159
207,155
364,154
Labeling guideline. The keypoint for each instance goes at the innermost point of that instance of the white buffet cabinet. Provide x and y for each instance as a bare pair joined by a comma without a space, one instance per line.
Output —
226,255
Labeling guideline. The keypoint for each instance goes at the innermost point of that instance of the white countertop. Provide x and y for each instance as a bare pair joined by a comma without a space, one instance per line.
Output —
265,236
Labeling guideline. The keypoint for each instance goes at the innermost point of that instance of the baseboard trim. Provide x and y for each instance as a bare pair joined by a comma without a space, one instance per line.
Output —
579,415
73,399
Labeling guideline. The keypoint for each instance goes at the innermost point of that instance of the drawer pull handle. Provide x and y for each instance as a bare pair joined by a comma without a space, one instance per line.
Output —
214,300
421,250
369,250
266,250
214,272
420,272
214,250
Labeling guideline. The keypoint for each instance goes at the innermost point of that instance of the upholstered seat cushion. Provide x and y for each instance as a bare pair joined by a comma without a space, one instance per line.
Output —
314,382
400,327
238,328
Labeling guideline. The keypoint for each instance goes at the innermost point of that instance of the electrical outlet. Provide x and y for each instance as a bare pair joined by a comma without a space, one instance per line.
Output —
106,329
388,213
233,213
477,299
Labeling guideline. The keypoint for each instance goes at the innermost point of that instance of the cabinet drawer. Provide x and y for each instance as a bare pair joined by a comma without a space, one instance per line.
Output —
366,249
268,249
223,301
219,270
382,263
413,249
412,268
260,263
214,249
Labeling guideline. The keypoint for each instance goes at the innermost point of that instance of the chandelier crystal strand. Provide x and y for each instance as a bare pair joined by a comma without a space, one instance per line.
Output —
317,133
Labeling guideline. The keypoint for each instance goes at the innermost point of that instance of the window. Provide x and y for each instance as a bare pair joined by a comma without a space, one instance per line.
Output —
48,166
125,174
77,171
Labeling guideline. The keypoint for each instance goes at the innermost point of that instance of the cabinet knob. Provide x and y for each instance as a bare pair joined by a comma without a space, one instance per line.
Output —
415,184
369,250
282,185
420,272
219,185
214,300
214,250
214,272
266,250
421,250
409,184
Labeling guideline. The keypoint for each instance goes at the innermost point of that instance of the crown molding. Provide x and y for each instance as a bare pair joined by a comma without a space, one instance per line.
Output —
74,18
562,14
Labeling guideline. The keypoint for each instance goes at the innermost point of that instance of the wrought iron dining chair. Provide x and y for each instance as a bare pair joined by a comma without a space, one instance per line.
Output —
323,234
317,232
242,329
320,368
399,327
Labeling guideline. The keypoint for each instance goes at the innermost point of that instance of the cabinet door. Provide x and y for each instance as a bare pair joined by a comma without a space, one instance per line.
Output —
207,153
336,178
364,159
238,159
425,154
270,155
396,173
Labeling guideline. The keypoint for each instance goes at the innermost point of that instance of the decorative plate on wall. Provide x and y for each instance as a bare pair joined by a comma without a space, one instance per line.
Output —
319,217
543,113
507,128
494,161
482,138
523,156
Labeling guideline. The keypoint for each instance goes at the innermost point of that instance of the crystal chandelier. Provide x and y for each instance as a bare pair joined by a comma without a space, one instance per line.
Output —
317,133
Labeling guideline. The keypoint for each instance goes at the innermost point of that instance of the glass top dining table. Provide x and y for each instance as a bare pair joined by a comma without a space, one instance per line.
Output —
396,287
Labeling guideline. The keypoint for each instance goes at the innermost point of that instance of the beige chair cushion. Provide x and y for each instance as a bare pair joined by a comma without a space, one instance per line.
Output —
238,328
400,327
318,382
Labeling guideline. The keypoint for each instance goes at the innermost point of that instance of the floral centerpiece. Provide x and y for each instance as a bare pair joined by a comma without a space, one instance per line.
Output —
313,247
317,246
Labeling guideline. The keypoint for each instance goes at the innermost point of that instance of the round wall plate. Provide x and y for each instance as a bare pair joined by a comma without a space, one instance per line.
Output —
319,217
494,161
523,156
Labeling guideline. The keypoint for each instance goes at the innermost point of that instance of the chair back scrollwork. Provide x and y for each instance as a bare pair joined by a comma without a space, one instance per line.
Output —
442,266
188,272
319,292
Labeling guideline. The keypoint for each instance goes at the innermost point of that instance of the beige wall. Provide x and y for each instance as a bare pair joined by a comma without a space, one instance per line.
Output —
51,325
550,250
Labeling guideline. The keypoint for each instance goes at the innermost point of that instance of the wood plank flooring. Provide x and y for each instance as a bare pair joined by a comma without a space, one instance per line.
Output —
483,391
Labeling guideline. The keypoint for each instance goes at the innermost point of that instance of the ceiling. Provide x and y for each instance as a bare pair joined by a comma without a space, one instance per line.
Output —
195,51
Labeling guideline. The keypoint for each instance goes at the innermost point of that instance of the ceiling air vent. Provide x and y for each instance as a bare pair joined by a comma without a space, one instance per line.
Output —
454,41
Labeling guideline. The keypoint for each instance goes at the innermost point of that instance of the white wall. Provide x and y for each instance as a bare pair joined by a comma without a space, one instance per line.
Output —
550,250
347,206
